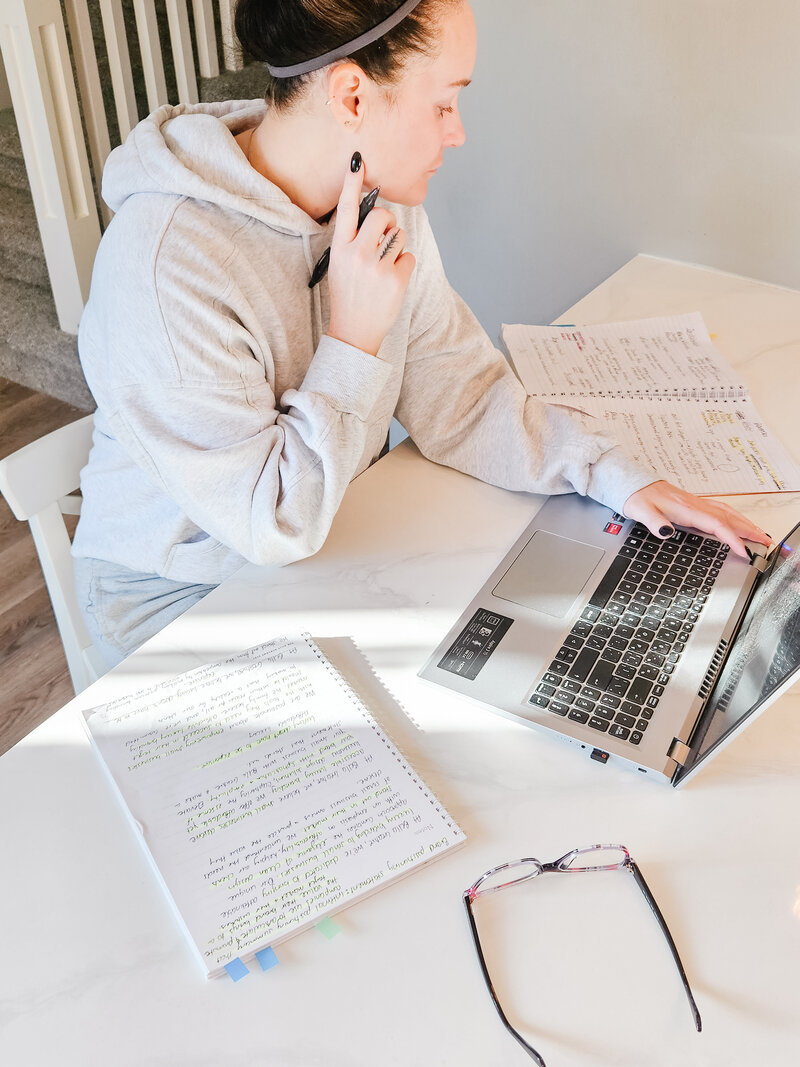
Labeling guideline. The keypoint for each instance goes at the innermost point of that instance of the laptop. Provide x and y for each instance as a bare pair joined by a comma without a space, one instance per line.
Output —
650,652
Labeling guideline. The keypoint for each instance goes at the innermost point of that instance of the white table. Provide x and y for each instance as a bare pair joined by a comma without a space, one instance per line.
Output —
95,971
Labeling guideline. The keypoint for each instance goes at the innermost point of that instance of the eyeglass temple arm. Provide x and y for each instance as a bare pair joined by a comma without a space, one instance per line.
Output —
637,874
476,940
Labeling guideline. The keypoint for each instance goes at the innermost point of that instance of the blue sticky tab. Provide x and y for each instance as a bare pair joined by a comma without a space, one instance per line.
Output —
328,928
236,969
267,958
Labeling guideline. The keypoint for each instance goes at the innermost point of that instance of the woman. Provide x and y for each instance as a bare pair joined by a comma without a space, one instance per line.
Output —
235,401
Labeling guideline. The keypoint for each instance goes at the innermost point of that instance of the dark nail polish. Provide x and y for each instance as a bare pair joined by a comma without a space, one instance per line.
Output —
355,162
666,531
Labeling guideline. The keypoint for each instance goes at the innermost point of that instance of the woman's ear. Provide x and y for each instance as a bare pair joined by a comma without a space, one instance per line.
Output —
348,91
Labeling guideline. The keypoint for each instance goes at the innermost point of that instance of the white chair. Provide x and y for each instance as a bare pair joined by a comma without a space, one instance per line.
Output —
37,481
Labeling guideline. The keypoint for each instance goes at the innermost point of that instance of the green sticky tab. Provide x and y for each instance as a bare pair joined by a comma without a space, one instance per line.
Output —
328,928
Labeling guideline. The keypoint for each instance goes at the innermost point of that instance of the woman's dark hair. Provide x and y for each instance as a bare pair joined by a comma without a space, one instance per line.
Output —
284,32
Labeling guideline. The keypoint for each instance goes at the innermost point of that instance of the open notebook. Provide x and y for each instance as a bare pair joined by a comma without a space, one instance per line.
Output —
266,796
665,392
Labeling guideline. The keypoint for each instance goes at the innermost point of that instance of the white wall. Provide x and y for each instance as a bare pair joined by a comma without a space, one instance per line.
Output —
601,128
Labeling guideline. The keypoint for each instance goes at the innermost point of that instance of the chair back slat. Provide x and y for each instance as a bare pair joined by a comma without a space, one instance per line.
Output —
45,470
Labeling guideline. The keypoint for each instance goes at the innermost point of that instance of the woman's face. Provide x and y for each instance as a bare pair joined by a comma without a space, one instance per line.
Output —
407,129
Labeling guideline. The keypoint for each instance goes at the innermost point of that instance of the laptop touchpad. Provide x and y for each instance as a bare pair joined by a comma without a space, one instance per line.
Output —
549,573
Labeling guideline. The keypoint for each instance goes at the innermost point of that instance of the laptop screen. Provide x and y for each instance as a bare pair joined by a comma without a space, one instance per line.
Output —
765,653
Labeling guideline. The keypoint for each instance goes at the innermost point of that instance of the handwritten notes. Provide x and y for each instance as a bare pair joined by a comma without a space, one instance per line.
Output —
665,393
267,795
709,447
669,356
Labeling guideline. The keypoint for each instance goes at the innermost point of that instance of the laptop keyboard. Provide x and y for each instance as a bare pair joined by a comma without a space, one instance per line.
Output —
616,661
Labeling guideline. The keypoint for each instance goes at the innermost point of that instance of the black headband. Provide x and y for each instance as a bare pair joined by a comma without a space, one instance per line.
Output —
346,49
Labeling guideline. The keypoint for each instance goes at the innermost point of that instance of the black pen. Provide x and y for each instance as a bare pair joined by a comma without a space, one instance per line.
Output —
321,266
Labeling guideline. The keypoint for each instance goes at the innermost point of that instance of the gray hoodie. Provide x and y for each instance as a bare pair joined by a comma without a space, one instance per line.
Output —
228,423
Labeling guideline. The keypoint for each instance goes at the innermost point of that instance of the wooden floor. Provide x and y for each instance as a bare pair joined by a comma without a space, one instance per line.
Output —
34,681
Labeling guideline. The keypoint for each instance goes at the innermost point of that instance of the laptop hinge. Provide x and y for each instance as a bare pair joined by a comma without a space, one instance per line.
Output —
679,751
759,563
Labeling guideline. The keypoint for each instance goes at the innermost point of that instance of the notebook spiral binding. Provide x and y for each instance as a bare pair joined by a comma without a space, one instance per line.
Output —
722,393
380,731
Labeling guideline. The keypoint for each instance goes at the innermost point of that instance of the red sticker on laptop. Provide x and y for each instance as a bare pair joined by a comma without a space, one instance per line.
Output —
612,528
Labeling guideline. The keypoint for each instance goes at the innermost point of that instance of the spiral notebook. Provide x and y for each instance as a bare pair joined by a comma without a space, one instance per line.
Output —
266,796
665,392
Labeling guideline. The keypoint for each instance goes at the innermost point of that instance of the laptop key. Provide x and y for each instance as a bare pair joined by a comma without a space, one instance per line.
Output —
648,671
566,654
619,731
624,670
645,713
608,583
586,705
623,719
570,686
591,694
573,641
539,700
557,667
583,664
639,690
590,614
600,673
617,685
548,690
641,725
598,724
578,715
558,707
551,679
610,700
635,737
604,712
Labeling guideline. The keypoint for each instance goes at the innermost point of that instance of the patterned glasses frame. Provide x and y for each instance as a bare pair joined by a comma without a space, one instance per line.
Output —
573,862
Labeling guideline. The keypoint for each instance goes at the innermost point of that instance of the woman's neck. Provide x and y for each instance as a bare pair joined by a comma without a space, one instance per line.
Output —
297,152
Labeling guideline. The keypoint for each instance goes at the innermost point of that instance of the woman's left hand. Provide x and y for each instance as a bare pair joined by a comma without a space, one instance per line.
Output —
660,505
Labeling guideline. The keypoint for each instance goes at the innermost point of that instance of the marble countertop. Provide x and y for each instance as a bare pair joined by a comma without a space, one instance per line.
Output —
95,970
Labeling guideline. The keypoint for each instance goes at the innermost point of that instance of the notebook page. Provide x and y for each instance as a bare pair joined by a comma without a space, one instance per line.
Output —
672,355
267,795
715,448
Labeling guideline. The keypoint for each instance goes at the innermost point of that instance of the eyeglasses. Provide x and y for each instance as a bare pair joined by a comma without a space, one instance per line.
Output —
579,860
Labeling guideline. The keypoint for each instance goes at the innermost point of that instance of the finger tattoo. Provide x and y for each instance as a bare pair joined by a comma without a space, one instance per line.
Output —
389,242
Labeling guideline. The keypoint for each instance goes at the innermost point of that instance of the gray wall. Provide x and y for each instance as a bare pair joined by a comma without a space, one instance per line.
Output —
597,129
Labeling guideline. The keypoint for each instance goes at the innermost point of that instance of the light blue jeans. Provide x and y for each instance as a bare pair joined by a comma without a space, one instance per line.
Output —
123,608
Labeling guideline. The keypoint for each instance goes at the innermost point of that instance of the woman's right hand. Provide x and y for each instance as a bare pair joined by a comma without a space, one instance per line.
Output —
369,270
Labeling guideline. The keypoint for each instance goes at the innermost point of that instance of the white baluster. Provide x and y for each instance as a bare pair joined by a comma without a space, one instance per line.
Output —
206,37
178,18
231,49
119,62
91,95
150,48
37,62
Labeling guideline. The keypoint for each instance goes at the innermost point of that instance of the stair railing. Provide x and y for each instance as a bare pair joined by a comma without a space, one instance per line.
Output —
48,107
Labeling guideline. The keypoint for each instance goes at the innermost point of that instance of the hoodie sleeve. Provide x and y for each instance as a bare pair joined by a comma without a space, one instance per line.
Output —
261,474
463,406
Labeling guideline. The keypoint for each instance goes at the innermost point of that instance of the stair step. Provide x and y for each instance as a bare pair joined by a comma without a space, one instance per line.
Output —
9,135
33,350
29,270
